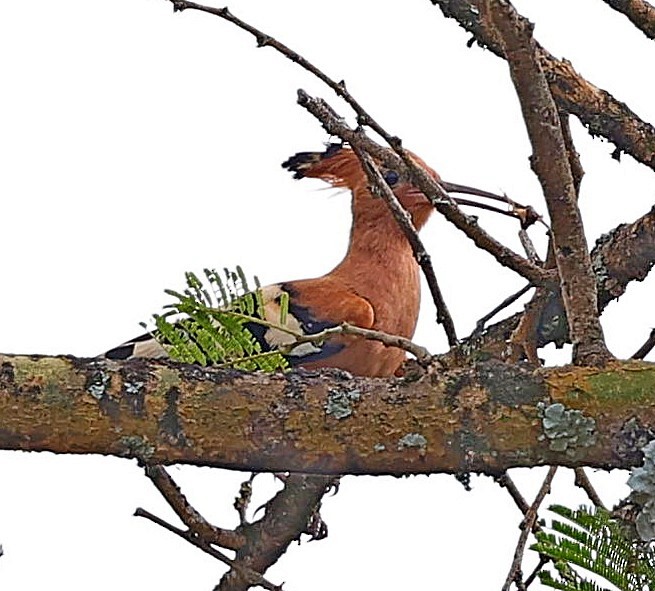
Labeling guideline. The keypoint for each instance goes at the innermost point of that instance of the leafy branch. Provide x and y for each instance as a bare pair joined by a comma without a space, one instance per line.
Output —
595,541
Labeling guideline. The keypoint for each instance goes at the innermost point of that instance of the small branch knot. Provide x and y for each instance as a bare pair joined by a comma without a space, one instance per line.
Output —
263,40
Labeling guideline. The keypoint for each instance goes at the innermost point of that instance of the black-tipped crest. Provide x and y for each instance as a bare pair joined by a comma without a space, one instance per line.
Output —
300,162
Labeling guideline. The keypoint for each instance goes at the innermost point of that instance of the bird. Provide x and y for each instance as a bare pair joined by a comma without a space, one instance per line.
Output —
376,285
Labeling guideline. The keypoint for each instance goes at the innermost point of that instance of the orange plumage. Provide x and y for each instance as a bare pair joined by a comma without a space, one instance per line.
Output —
375,286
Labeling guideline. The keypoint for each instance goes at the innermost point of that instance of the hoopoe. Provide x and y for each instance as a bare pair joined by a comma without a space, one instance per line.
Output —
375,286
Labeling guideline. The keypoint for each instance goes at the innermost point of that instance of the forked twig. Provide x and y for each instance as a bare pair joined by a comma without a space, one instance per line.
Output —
253,578
527,526
193,520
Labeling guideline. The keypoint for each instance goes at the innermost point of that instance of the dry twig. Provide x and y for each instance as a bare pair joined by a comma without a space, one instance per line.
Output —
646,348
529,521
195,522
582,480
404,221
253,577
480,324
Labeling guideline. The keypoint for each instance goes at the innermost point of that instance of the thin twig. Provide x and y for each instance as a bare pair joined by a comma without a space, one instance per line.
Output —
582,480
506,482
188,514
480,324
646,348
264,40
551,164
423,356
250,575
404,221
527,525
528,246
543,561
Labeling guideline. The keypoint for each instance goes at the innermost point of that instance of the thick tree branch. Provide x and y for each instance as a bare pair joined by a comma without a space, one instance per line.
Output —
640,13
287,516
488,418
598,110
625,254
550,162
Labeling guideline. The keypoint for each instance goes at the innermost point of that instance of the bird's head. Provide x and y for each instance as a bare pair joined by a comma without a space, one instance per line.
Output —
339,166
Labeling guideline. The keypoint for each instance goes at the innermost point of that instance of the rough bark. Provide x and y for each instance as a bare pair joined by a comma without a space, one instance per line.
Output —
550,161
597,109
640,13
487,418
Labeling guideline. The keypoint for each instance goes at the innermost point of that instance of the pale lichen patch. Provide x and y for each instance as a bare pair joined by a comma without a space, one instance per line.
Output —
566,429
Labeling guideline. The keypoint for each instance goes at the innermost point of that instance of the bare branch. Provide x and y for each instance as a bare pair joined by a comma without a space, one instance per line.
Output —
582,480
264,40
423,356
480,324
551,164
432,190
506,482
288,515
543,561
527,525
598,110
325,422
195,522
253,578
640,13
625,254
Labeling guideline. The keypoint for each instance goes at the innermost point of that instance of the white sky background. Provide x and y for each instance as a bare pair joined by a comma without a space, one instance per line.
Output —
136,144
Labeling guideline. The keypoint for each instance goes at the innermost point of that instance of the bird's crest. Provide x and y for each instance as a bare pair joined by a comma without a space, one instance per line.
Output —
337,165
302,163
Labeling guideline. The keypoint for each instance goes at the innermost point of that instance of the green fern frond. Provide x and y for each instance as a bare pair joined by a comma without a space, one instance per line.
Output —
593,540
208,323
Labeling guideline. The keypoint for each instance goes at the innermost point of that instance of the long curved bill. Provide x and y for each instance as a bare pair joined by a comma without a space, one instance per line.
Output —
526,214
455,188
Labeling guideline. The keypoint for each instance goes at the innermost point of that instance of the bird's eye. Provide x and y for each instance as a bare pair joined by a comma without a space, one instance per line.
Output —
391,176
